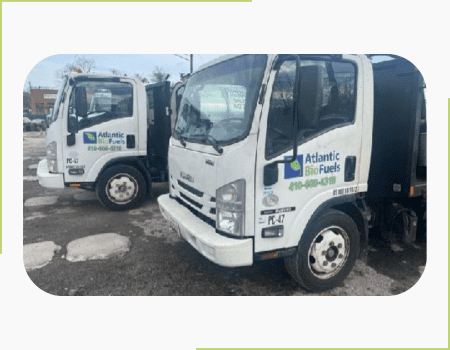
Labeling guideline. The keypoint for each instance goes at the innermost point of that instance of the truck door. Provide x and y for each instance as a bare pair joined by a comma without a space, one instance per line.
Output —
159,128
329,145
102,125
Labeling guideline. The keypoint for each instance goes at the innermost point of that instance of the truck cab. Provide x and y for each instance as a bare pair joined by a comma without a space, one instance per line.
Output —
101,137
270,157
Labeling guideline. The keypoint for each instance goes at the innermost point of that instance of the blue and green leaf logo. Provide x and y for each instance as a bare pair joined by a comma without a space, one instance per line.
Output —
294,169
90,137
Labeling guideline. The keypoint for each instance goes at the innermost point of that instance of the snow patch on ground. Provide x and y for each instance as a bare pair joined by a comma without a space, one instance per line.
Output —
38,201
97,247
30,178
35,215
37,255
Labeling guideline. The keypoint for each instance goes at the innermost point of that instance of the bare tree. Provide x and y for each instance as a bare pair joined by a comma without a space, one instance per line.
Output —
115,71
159,75
141,77
86,64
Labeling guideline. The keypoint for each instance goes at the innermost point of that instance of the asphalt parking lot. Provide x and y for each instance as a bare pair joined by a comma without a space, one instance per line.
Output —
152,260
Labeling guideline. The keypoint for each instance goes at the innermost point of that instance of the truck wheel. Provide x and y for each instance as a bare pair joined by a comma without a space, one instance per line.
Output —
121,187
326,253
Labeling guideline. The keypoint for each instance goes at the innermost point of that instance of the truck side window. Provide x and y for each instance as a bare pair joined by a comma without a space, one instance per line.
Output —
105,101
327,101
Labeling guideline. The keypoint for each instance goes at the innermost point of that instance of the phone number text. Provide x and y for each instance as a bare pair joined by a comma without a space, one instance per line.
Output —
298,185
104,148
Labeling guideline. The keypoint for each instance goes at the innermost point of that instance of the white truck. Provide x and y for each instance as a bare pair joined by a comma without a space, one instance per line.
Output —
297,156
108,134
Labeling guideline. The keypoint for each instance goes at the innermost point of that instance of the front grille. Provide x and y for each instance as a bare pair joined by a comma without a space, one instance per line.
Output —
186,198
190,189
202,217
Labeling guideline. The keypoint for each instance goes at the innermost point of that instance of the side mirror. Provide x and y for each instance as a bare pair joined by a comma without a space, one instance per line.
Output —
70,139
270,174
72,126
81,101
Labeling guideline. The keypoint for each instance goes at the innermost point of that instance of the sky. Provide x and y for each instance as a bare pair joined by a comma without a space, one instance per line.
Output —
43,73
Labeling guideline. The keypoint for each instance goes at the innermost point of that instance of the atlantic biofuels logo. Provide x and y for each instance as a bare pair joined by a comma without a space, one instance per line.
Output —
90,137
294,169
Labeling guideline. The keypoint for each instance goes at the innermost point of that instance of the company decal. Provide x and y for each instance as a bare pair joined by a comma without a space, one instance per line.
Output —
111,138
294,169
70,160
298,185
75,166
312,164
275,219
73,163
267,190
90,137
104,148
345,190
277,211
270,200
322,163
106,141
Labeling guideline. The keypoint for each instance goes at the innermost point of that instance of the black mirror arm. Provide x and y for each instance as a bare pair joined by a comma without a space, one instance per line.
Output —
296,98
271,169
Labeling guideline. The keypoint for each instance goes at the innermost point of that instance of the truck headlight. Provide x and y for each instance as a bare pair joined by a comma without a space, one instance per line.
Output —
230,208
52,159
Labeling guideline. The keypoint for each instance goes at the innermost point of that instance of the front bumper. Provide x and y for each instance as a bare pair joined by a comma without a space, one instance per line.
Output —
221,250
49,180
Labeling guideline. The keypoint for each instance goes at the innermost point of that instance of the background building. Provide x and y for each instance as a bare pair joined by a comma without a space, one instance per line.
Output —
42,100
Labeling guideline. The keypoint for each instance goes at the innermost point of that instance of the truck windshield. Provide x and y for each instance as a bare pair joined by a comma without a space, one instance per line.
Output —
219,101
54,115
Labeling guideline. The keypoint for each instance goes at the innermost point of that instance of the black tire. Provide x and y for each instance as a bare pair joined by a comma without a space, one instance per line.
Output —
131,187
326,253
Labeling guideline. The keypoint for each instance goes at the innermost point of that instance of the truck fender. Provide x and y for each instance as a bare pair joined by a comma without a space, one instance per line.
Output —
348,204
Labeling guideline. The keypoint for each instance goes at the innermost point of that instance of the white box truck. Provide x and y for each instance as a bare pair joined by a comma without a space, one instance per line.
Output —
108,134
297,156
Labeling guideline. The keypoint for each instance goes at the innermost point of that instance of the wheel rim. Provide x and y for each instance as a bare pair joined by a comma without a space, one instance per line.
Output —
122,189
328,252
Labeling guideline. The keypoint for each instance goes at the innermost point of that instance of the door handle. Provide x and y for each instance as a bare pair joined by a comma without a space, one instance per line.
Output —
131,143
350,166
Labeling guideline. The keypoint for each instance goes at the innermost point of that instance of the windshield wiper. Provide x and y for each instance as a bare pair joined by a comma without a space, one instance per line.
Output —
179,137
96,112
213,142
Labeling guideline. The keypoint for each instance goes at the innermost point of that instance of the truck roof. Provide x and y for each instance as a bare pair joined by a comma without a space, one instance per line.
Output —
224,58
98,75
217,60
